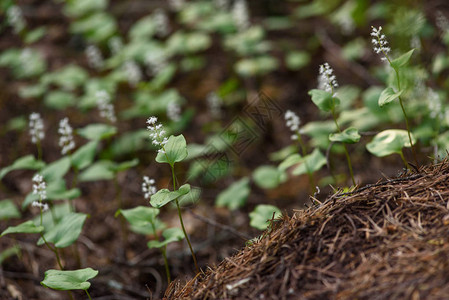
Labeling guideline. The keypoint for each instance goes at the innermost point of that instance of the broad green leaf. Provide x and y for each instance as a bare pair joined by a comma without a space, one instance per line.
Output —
8,210
68,280
140,215
311,163
164,196
56,169
100,170
388,142
175,150
66,232
323,99
84,156
170,235
297,59
26,162
388,95
34,35
348,136
289,161
26,227
56,190
53,216
125,165
235,195
262,214
283,153
97,132
267,177
59,100
402,60
14,250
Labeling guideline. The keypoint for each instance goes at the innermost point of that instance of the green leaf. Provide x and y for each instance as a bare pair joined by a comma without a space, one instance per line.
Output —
100,170
267,177
66,232
176,150
97,132
323,100
388,142
289,161
59,100
310,163
84,155
53,216
56,170
8,210
56,190
27,163
14,250
402,60
140,215
388,95
297,59
34,35
170,235
26,227
68,280
125,165
164,196
235,195
262,214
348,136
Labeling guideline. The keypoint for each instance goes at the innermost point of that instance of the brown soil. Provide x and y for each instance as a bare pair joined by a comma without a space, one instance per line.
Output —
388,240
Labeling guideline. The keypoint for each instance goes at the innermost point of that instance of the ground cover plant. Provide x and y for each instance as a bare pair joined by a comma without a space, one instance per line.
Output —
145,142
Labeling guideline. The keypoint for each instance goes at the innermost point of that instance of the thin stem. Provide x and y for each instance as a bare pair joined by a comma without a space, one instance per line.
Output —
39,150
187,237
304,154
401,154
164,252
88,295
54,250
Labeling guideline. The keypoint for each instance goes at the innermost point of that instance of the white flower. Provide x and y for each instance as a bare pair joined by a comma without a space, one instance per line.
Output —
148,187
292,122
15,18
115,45
66,136
327,79
379,42
132,72
156,62
241,15
36,126
174,111
94,57
39,187
104,106
435,105
214,102
44,206
162,24
157,133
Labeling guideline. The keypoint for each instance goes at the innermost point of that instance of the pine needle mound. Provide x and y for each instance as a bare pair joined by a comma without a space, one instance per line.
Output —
388,240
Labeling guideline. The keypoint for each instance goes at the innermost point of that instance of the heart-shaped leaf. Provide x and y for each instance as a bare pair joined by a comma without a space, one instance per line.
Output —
261,215
26,227
66,232
100,170
140,215
235,195
27,162
164,196
388,142
310,163
289,161
402,60
348,136
68,280
175,150
84,156
97,132
170,235
8,210
388,95
268,177
56,170
324,100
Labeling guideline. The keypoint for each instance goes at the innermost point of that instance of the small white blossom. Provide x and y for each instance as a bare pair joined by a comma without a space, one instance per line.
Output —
39,187
94,57
379,42
44,206
15,18
435,105
157,133
240,14
156,62
214,103
162,23
104,106
441,21
133,72
292,121
173,111
36,126
148,187
66,141
115,45
328,80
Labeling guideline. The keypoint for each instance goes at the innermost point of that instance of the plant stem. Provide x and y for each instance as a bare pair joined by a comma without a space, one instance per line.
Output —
88,295
164,253
403,159
39,150
304,154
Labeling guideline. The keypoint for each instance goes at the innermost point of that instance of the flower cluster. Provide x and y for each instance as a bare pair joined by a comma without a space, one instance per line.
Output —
39,187
162,23
15,18
156,61
36,128
94,57
292,121
104,106
327,79
115,45
173,111
241,15
379,42
66,141
132,72
157,133
43,206
148,187
214,103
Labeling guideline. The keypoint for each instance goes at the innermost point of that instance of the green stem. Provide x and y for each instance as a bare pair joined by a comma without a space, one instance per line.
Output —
187,237
401,154
54,250
164,252
39,150
304,154
88,295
